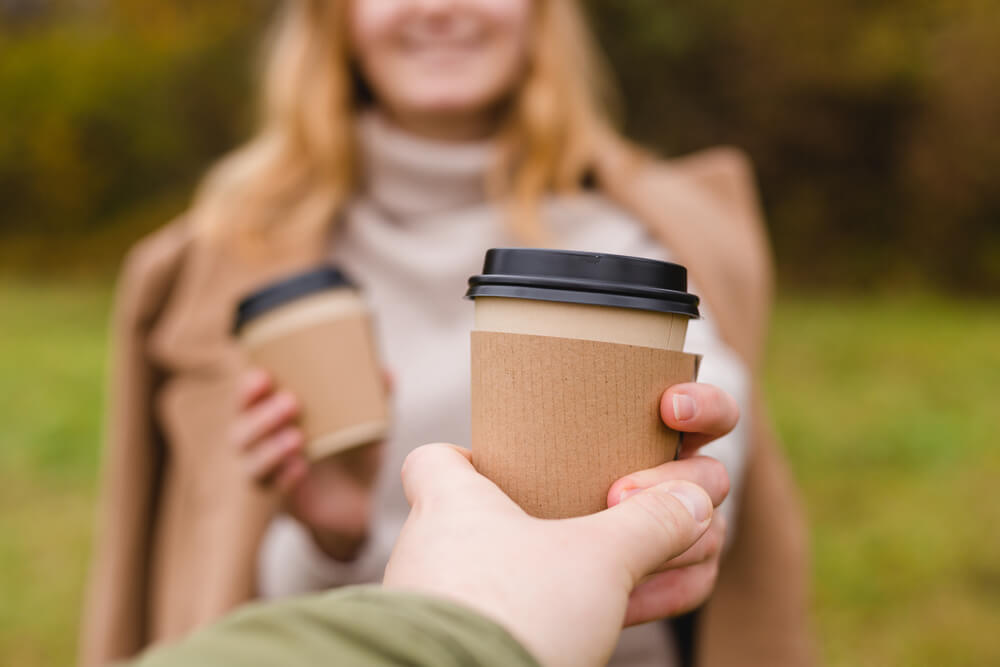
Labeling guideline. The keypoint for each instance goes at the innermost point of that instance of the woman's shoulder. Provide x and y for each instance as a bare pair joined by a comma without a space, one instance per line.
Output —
718,180
724,170
703,207
151,265
723,178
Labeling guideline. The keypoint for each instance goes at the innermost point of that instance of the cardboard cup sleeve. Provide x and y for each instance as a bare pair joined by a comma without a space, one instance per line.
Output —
555,421
332,368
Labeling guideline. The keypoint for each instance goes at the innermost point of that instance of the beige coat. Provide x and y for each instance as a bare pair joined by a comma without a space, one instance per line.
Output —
179,525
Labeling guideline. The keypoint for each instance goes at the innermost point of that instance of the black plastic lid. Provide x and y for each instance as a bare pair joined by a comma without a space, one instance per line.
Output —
284,291
585,277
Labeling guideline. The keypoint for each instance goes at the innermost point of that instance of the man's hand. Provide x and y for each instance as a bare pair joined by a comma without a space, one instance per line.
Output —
563,587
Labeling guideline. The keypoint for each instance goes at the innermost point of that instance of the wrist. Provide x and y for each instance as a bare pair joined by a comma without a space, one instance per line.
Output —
339,547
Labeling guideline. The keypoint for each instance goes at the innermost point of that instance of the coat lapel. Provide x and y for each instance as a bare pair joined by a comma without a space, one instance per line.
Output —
193,342
703,208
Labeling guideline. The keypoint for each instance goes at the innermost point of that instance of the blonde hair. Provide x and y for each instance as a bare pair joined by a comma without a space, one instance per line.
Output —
300,167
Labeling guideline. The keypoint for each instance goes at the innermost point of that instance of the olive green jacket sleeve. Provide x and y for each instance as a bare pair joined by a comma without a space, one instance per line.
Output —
362,625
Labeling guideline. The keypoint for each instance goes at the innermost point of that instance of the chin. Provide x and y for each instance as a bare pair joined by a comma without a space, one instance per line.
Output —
447,100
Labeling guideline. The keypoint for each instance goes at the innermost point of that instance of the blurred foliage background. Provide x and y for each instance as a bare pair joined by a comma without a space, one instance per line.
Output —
873,125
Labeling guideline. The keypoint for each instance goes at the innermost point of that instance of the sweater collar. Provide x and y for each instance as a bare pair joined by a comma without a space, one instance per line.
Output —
409,177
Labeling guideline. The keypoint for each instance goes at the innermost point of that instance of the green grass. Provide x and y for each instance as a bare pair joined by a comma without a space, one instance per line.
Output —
888,410
52,345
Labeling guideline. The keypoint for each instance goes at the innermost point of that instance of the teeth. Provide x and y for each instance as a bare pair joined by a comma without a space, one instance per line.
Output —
458,32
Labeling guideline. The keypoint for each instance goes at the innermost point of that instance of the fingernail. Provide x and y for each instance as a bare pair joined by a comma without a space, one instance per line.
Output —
684,407
696,502
627,493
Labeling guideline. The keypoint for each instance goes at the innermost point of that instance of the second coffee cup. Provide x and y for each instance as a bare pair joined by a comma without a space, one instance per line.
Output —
313,333
571,353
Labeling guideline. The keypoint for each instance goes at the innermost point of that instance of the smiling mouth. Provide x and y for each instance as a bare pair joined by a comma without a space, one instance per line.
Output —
456,37
440,53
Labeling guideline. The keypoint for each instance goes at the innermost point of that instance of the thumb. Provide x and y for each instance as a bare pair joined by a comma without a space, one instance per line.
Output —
655,525
434,470
442,476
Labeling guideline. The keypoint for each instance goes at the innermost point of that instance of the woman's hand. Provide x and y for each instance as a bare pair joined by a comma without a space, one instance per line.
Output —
330,497
702,413
266,433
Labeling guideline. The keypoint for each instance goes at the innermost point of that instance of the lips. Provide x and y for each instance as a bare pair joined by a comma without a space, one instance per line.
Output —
454,35
441,54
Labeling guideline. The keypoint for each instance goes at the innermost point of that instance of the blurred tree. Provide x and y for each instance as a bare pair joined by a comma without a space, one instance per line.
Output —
872,124
117,107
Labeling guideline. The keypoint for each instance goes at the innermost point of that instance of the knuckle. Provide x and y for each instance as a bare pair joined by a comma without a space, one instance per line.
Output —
714,540
734,407
705,574
722,410
271,410
411,461
415,460
717,474
704,587
422,471
628,483
269,452
277,412
288,434
255,471
718,406
712,574
252,422
663,509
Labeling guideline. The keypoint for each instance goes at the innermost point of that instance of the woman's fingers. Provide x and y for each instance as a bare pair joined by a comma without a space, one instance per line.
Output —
704,471
262,418
701,411
708,547
671,593
254,385
264,434
267,458
291,473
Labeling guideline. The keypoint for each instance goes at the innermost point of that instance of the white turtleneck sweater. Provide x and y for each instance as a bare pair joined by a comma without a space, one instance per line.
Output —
419,228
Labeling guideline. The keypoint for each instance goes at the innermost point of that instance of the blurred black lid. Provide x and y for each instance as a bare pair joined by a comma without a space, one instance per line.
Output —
286,290
585,277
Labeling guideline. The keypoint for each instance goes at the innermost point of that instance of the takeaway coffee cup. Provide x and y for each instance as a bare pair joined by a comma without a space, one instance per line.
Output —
313,333
571,353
